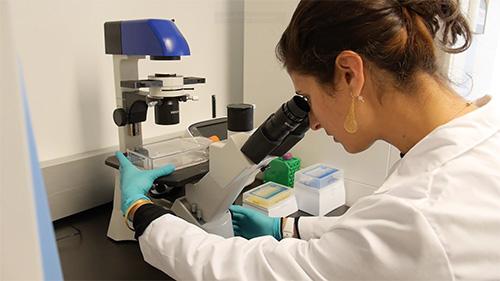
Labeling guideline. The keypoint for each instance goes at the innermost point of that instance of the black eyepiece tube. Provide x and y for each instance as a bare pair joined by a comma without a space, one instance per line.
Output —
271,134
292,139
286,119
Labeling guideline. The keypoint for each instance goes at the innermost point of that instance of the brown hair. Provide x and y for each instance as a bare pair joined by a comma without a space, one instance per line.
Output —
396,35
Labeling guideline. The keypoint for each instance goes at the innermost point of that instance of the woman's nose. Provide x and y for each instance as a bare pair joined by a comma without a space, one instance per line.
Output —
313,122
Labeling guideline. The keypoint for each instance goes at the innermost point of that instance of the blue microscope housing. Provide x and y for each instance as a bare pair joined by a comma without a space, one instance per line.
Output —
159,39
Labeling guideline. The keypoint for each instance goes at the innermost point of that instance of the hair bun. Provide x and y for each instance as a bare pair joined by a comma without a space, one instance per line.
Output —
442,15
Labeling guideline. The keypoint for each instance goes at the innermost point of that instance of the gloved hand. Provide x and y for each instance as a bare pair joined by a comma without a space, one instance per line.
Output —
249,223
135,183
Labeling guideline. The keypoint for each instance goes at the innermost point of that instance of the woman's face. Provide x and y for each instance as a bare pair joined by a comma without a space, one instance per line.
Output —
329,109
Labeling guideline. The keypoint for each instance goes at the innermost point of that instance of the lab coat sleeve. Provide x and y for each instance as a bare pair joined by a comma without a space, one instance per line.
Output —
314,227
378,238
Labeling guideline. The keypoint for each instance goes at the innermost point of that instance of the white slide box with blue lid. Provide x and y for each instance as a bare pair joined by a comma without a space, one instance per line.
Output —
319,189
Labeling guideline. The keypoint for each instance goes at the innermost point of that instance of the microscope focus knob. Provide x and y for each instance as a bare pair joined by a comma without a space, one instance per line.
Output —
120,117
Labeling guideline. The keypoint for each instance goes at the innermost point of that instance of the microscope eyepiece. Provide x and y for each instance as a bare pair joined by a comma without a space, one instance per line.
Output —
298,107
286,119
271,134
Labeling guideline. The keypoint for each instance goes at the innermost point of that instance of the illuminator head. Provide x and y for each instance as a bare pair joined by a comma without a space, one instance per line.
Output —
160,39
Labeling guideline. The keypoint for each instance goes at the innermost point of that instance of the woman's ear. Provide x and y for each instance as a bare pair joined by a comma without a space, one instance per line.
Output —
349,72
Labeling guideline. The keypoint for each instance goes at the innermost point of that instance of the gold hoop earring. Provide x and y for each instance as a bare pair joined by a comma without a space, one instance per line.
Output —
350,123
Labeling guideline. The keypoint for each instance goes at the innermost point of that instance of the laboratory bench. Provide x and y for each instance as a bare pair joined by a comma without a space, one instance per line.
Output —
86,252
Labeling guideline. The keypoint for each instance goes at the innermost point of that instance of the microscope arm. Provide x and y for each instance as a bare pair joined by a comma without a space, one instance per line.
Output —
230,171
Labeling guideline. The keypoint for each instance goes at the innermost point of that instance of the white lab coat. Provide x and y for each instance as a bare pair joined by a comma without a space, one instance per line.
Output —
437,217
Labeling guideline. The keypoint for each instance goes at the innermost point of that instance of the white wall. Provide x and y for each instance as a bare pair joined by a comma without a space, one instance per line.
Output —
70,81
267,85
20,251
476,71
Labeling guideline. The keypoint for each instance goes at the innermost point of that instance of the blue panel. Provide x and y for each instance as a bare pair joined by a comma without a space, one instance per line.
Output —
50,257
153,37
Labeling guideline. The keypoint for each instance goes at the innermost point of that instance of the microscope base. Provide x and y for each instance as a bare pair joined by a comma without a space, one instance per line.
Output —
222,226
117,229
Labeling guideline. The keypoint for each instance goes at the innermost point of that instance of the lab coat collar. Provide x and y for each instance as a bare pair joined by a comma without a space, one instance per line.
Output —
448,141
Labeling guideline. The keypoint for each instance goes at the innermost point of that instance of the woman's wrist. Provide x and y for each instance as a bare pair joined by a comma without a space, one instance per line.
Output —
135,206
288,228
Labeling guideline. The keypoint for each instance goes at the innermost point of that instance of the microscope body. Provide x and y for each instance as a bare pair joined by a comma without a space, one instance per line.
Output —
206,202
235,162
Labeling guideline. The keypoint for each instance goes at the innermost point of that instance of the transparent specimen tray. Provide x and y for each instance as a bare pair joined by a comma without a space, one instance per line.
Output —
182,152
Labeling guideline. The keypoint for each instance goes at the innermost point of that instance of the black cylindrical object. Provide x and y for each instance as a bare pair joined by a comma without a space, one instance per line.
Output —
272,133
286,119
240,117
167,111
292,139
214,107
120,117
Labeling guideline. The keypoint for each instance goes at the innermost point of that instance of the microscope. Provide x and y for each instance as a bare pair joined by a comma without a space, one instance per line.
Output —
129,42
203,193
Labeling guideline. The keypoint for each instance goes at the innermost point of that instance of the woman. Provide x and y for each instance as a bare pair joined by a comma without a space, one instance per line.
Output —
368,69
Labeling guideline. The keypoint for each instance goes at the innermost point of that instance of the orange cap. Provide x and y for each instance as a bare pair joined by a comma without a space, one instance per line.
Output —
214,138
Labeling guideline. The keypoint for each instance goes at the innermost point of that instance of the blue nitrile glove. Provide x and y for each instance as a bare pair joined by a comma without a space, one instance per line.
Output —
135,183
249,223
